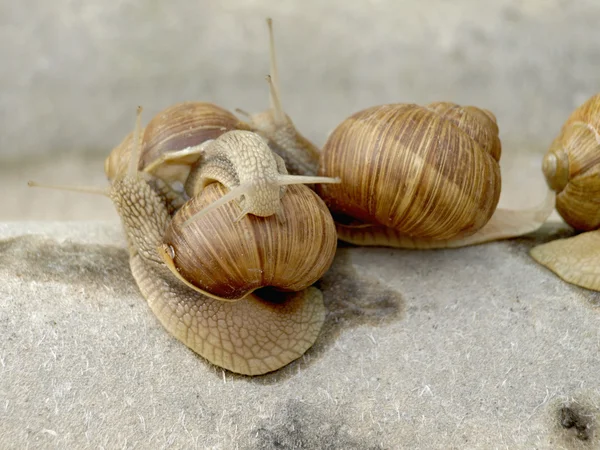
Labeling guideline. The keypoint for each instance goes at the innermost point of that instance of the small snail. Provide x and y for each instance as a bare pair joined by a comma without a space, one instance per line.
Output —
254,253
420,177
173,141
572,169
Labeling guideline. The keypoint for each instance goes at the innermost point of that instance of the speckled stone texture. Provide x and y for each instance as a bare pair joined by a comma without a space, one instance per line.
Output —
475,348
471,348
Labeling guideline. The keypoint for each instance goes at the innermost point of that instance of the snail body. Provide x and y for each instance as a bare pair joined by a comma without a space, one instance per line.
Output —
243,162
253,335
176,151
420,177
243,329
571,167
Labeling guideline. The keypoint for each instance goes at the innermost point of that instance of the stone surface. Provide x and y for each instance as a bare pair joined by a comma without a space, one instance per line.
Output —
471,348
72,73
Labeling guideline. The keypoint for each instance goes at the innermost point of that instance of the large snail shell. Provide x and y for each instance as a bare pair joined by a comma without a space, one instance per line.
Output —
228,260
572,167
428,172
178,127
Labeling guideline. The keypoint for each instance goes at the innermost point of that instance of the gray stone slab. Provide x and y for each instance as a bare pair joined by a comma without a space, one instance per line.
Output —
473,348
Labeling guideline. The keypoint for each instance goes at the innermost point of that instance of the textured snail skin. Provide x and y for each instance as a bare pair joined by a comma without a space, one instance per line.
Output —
572,169
576,259
233,159
256,176
251,336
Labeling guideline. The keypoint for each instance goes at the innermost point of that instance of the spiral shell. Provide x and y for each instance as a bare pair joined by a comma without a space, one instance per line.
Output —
426,171
178,127
572,167
228,259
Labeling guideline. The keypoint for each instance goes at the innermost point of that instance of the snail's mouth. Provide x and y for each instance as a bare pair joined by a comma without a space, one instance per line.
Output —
272,294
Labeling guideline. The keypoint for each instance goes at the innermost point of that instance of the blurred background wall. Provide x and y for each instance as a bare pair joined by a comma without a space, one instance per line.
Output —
72,73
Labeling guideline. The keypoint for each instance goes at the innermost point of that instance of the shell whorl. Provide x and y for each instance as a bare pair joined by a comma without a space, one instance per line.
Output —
429,172
228,259
572,167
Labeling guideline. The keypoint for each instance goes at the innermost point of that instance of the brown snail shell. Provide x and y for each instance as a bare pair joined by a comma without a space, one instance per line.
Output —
572,169
229,259
428,172
178,127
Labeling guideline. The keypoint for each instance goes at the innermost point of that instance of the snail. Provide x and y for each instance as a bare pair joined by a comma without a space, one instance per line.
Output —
174,140
199,267
420,177
571,167
170,145
251,254
252,335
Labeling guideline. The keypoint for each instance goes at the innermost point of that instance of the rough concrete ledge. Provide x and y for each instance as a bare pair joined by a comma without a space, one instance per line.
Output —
473,348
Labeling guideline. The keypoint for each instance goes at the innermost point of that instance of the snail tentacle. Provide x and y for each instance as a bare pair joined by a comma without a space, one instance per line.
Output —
300,154
188,155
